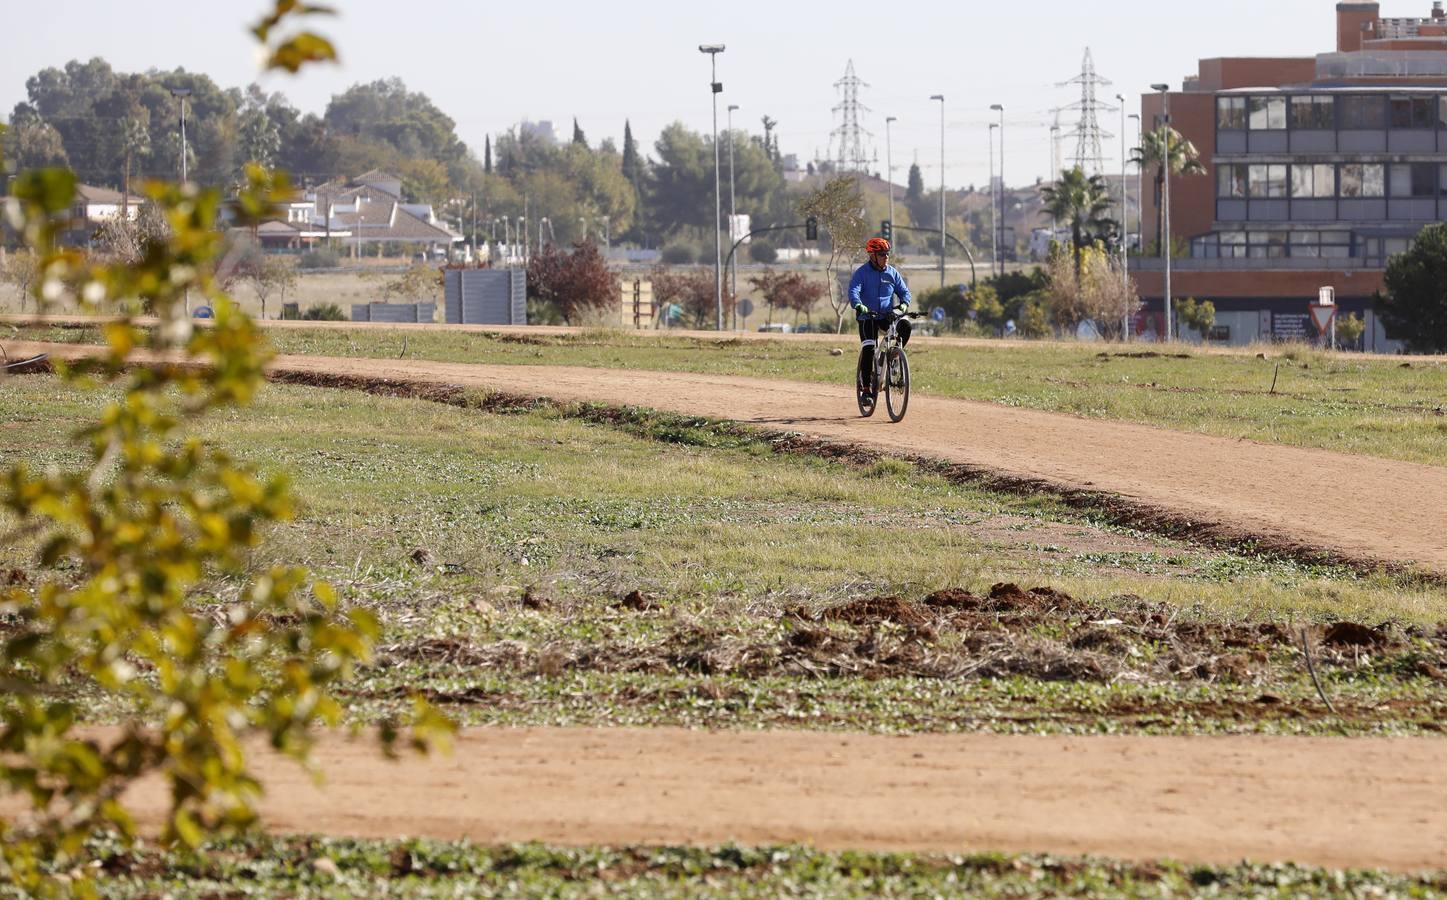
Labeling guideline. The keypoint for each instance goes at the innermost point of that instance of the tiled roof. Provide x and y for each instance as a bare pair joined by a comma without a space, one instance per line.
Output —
89,193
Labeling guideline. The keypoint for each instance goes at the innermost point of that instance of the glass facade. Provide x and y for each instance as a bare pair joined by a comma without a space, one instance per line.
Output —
1329,174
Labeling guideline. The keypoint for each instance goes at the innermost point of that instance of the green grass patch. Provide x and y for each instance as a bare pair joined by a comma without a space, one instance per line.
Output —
498,551
328,867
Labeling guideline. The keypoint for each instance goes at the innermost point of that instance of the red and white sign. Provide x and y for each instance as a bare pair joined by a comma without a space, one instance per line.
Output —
1321,317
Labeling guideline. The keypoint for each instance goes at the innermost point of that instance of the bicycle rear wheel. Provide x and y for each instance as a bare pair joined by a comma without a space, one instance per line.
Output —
866,392
864,395
896,384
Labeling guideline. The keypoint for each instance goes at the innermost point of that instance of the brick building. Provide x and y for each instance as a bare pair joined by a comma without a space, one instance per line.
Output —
1318,170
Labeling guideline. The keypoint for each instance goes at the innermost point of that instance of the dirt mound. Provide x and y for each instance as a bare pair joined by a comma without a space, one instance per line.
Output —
1041,633
877,609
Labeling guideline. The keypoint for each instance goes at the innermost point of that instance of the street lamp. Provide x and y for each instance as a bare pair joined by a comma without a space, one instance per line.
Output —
713,50
181,93
889,168
1124,222
941,99
1165,150
1140,194
733,214
1001,110
994,210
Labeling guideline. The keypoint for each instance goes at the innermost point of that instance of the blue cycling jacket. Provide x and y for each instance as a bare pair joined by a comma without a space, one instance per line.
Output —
878,289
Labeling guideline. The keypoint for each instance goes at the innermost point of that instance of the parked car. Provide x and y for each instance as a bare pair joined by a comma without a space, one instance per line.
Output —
776,327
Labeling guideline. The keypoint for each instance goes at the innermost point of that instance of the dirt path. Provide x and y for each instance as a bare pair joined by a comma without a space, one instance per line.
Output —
1329,802
1352,505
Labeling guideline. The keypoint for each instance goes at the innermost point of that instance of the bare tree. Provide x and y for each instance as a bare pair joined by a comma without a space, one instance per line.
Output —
124,239
840,210
1102,294
268,275
20,270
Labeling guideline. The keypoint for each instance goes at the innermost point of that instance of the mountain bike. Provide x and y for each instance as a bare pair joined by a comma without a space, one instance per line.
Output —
890,372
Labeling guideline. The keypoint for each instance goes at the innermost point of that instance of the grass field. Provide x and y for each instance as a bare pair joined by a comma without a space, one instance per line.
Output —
344,868
554,566
535,568
1379,407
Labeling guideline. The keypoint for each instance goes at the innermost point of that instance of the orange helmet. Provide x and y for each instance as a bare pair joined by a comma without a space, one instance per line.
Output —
877,245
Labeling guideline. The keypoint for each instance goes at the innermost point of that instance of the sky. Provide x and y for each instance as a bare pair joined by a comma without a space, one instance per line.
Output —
489,65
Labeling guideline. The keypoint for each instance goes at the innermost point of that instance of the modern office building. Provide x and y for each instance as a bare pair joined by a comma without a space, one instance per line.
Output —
1317,171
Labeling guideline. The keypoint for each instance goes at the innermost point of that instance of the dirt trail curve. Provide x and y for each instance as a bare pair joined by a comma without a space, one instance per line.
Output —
1322,801
1352,505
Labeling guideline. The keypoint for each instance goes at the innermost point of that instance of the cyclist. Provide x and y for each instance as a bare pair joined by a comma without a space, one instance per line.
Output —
873,290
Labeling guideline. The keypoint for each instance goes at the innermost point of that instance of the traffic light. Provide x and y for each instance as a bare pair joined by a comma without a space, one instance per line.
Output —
886,230
811,228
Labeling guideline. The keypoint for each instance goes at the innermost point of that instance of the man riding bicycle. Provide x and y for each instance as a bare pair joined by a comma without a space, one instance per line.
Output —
872,292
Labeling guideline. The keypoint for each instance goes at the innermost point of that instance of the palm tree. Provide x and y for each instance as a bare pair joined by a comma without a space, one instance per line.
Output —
1158,145
1083,202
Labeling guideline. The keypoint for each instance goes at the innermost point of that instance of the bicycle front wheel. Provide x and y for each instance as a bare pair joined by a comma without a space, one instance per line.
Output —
896,384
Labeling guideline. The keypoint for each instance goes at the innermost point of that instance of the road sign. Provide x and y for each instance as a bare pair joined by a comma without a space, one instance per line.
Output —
1326,296
1321,316
746,307
938,314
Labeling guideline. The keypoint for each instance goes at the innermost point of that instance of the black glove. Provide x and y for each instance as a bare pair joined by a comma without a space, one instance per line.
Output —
861,309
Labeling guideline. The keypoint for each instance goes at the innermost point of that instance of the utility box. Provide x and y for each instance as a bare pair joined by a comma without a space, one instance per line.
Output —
486,296
394,313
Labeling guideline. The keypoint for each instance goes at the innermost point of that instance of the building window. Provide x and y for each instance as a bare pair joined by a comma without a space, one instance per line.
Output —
1413,180
1336,244
1363,180
1266,244
1365,111
1266,180
1313,180
1231,113
1233,244
1231,180
1305,243
1412,112
1220,334
1309,113
1266,113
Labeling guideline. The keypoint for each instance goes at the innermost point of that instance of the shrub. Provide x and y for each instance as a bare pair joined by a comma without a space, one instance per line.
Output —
1349,330
325,312
679,254
763,252
325,258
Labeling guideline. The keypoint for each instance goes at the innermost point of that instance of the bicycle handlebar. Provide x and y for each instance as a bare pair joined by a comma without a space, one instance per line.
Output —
890,316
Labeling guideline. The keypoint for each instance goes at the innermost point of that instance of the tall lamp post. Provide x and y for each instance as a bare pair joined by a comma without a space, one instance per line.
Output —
1124,222
733,214
181,93
889,166
1140,184
994,210
713,50
941,99
1001,110
1166,194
